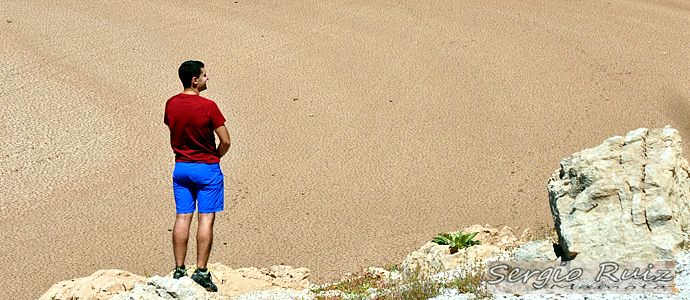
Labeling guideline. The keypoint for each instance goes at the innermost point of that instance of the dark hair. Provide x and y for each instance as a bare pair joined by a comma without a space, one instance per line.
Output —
189,69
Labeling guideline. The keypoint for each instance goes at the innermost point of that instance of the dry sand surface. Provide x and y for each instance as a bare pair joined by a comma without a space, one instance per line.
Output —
360,130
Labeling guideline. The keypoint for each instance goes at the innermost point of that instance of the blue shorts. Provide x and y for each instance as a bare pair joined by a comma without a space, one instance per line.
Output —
198,183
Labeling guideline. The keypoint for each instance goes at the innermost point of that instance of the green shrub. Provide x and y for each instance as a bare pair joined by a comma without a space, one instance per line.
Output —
456,240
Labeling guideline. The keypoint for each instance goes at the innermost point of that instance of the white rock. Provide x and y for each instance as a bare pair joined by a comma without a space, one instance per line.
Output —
158,287
100,284
626,199
535,250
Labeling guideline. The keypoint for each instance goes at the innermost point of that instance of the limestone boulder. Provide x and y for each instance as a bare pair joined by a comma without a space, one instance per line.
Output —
540,250
233,282
432,258
121,285
626,199
160,288
428,259
102,284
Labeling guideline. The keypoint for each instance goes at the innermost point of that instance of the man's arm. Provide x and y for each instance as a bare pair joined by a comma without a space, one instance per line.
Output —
224,138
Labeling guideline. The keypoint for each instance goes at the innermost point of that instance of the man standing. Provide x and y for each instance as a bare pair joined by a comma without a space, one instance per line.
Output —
197,178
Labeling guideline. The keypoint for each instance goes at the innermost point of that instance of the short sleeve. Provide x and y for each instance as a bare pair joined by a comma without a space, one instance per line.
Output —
165,114
217,118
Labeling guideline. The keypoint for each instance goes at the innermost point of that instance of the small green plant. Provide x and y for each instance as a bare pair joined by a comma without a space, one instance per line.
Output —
456,240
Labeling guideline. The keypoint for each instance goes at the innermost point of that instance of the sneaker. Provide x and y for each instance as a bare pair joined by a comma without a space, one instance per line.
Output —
179,272
204,280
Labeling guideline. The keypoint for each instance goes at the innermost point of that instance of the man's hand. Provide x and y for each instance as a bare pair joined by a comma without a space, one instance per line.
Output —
224,138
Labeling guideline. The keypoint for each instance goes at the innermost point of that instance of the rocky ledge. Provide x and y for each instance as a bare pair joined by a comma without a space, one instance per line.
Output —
624,200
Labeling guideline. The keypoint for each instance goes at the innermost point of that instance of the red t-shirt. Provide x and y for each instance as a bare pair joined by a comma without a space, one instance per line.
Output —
192,120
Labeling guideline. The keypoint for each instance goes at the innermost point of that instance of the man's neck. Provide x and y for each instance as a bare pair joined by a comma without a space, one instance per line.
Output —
190,91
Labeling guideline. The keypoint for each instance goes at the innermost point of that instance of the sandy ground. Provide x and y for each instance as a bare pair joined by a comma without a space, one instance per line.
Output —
360,130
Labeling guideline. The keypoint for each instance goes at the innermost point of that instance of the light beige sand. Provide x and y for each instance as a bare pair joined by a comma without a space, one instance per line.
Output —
426,117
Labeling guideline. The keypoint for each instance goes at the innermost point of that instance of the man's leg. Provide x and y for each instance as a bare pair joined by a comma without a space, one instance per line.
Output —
210,201
185,193
204,238
180,237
